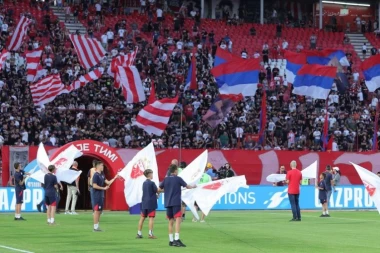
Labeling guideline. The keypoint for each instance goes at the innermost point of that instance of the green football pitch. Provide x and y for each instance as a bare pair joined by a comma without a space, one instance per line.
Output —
223,231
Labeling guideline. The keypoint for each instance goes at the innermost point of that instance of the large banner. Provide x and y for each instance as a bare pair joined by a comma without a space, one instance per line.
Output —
253,198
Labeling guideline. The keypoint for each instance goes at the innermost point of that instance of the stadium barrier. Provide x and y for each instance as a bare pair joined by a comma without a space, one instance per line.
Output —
256,197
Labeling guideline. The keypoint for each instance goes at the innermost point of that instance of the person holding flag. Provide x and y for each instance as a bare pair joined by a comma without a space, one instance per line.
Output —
171,186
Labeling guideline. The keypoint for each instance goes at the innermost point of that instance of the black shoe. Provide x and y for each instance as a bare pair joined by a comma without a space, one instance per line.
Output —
39,208
170,244
293,219
16,218
21,219
98,230
44,211
323,215
178,243
298,219
139,236
327,215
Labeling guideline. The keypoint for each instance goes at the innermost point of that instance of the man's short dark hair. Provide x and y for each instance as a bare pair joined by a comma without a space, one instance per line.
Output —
16,165
183,165
173,168
51,168
94,162
147,172
98,163
328,167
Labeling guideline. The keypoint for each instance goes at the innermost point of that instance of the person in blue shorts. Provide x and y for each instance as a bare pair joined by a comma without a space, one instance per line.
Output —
51,187
148,204
322,195
99,185
171,186
20,177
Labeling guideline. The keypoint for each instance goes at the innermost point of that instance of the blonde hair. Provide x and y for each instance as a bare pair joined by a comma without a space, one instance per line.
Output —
293,164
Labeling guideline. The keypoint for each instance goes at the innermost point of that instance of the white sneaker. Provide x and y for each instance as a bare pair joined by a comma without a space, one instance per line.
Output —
74,213
202,221
195,220
67,212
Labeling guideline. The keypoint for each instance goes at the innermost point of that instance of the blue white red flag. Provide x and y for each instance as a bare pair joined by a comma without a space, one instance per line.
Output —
191,80
314,80
294,61
371,71
219,109
223,56
323,57
238,77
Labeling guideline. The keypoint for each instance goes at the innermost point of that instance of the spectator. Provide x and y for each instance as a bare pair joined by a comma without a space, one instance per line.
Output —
282,170
313,41
225,171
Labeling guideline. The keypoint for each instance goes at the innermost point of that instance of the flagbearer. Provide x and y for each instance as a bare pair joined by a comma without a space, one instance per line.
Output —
182,166
172,187
20,177
206,178
51,187
148,204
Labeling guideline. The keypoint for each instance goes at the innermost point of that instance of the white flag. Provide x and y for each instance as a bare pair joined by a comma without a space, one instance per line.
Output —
188,198
372,184
206,195
274,178
194,171
133,173
62,162
309,172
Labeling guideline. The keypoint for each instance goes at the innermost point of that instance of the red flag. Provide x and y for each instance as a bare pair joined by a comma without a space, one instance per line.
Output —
193,82
325,134
152,97
330,143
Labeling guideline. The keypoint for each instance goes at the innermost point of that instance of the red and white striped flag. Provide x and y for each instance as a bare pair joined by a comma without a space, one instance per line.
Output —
32,61
90,51
3,57
154,118
132,87
121,60
19,33
83,80
47,89
41,72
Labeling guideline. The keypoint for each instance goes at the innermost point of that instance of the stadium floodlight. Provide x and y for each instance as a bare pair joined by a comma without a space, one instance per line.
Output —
345,3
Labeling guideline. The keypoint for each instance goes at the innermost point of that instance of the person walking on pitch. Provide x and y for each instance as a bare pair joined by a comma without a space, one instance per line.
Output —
148,204
51,187
293,179
171,186
20,177
72,192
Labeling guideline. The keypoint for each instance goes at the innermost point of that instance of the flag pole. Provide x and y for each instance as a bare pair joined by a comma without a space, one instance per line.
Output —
180,138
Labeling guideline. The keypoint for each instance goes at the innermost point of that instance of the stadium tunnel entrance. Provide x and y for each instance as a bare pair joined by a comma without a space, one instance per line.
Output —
93,150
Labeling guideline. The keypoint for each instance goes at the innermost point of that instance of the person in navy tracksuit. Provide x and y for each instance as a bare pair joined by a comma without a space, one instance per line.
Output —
20,177
51,188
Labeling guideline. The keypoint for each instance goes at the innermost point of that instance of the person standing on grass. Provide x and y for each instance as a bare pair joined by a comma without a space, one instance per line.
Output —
20,177
206,178
329,184
99,184
90,174
51,187
293,179
148,204
336,177
172,196
322,194
182,166
72,192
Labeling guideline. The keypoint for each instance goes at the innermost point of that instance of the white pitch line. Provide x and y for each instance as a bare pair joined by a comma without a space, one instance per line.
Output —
317,217
18,250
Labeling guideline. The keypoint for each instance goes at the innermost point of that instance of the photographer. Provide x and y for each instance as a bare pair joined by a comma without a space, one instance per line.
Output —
225,172
211,171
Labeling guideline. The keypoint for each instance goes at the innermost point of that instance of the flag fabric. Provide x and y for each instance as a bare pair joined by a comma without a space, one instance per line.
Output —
371,71
133,174
3,57
223,56
310,172
219,109
121,60
206,195
90,51
314,80
131,84
294,61
47,89
341,77
33,59
154,118
83,80
187,197
41,72
325,134
194,171
263,118
191,80
376,129
62,162
152,96
324,56
238,77
330,143
19,33
372,184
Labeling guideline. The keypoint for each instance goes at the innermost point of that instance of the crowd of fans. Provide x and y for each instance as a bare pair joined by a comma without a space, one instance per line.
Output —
98,111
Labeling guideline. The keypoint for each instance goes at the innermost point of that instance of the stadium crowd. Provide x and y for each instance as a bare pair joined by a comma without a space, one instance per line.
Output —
98,111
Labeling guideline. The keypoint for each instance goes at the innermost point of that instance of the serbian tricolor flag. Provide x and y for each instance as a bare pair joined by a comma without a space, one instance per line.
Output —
294,61
372,184
314,80
223,56
263,118
238,77
338,54
220,108
191,80
371,71
323,57
133,174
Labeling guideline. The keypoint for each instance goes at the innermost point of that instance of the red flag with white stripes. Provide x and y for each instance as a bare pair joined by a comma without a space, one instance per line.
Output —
47,89
90,51
132,87
41,72
3,57
152,96
83,80
121,60
154,118
19,33
32,61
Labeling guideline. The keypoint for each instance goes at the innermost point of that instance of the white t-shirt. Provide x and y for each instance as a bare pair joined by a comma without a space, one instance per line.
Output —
121,32
48,62
317,134
98,7
143,2
335,146
285,45
373,103
364,47
239,132
355,75
271,126
4,27
291,137
179,45
104,38
159,13
110,35
244,55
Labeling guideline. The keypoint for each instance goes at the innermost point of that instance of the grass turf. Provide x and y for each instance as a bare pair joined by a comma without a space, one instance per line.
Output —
224,231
